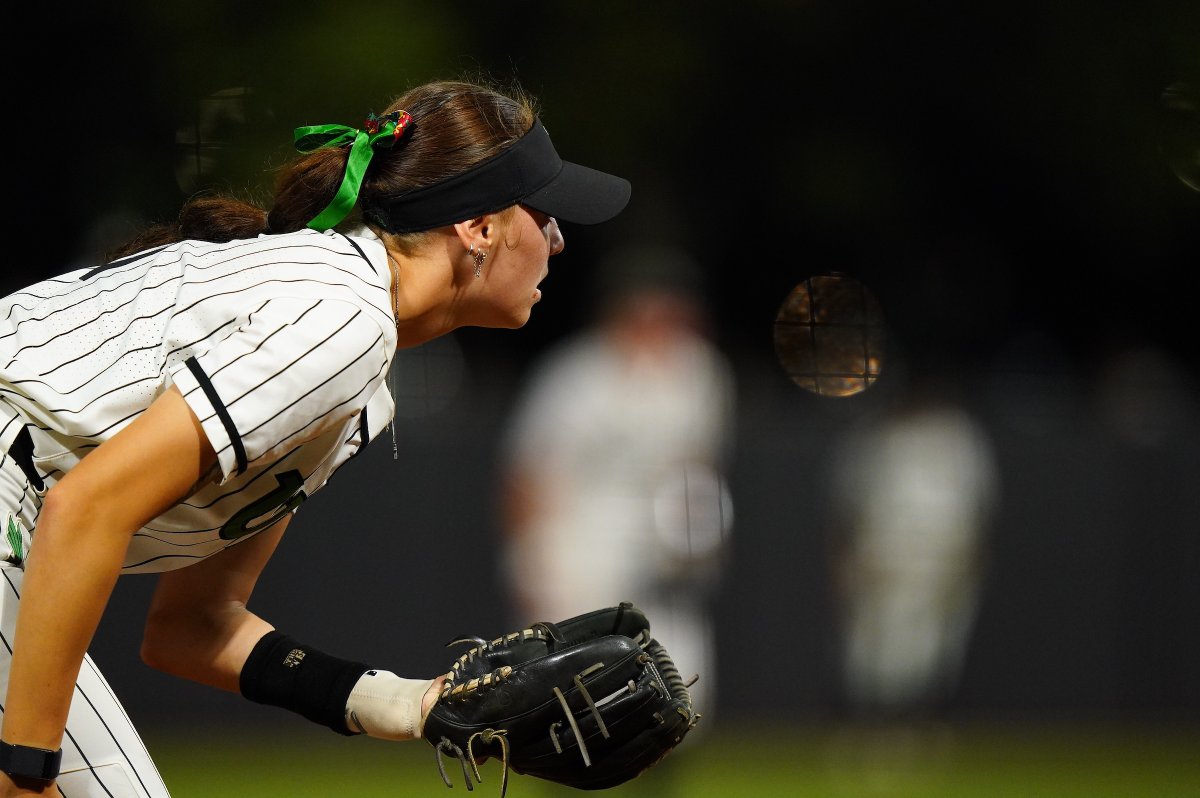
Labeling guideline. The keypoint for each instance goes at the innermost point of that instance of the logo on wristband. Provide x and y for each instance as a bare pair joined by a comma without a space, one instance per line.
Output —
294,658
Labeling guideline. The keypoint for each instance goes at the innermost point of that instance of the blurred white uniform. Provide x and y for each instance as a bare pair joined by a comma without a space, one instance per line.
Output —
913,495
614,460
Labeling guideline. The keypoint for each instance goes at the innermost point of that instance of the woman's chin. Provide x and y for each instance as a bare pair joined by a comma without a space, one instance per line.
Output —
518,320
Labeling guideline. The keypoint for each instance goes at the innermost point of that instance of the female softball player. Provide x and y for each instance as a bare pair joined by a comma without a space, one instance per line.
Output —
170,410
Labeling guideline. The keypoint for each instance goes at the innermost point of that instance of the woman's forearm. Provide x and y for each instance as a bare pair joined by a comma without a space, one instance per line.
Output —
209,648
68,579
198,627
79,545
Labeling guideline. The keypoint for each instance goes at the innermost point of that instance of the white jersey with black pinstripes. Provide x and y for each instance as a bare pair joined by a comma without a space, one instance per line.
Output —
280,345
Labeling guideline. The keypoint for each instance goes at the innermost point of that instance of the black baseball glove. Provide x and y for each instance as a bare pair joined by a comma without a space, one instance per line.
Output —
589,702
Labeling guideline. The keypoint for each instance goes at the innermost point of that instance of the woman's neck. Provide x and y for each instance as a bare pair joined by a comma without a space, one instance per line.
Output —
426,300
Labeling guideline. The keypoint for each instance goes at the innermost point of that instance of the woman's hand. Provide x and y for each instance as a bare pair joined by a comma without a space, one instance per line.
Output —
431,697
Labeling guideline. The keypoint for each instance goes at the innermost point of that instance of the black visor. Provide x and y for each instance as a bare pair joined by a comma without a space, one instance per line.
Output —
529,172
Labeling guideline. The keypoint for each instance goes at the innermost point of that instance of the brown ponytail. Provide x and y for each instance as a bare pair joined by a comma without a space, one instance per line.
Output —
202,218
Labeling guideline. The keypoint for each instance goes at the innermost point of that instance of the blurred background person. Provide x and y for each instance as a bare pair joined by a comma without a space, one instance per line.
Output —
915,489
613,483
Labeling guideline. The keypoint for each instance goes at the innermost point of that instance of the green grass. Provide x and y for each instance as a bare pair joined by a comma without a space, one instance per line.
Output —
951,761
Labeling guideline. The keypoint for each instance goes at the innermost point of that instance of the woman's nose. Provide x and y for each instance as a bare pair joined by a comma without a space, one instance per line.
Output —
556,237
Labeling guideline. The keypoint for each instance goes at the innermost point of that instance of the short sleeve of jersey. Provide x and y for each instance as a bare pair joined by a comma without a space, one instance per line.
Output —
293,369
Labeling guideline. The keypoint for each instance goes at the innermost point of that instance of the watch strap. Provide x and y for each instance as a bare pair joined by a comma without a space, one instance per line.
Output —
28,762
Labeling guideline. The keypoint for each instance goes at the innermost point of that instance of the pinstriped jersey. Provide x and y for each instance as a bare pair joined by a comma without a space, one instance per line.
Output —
279,344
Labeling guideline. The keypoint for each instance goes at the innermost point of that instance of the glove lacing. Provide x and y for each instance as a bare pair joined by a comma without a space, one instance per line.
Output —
449,747
538,631
486,737
489,736
670,680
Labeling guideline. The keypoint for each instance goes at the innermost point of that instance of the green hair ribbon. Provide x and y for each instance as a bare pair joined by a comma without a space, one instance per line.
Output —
379,131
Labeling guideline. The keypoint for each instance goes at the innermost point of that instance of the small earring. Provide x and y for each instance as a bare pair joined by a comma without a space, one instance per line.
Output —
479,257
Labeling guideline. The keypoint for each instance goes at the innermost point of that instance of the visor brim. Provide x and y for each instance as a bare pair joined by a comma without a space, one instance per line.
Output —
581,195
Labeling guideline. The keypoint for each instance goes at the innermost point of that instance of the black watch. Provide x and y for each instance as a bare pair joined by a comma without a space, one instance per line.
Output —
22,761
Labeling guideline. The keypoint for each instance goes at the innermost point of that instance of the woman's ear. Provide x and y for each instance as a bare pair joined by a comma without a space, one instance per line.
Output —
478,232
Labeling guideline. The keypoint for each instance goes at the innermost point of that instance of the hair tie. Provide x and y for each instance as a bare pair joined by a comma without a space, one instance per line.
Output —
379,131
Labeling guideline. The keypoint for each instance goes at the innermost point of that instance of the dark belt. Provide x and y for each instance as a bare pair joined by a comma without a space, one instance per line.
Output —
21,451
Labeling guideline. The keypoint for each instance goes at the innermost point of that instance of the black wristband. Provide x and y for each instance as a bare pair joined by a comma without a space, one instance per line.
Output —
283,672
22,761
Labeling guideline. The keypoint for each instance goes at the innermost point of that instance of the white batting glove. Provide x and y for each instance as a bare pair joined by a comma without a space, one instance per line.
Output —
386,706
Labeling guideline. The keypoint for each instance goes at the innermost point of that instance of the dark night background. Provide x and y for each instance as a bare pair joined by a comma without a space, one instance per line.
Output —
1005,177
